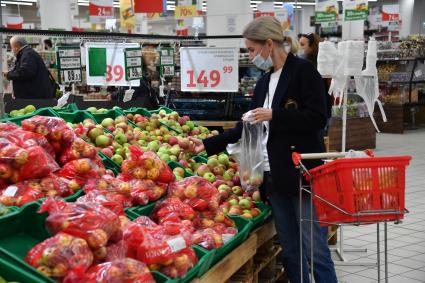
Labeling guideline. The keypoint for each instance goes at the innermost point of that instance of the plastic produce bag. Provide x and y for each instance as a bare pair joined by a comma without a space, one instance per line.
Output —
81,170
146,165
77,150
18,164
200,194
251,159
207,238
113,202
56,256
90,221
172,209
145,191
126,270
57,132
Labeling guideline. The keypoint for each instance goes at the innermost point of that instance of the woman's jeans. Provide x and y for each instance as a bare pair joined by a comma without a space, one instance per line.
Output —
285,209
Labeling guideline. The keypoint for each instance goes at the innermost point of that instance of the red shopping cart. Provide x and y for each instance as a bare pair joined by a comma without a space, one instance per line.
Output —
354,191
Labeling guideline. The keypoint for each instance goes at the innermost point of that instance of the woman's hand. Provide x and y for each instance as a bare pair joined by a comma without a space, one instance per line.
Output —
196,145
262,115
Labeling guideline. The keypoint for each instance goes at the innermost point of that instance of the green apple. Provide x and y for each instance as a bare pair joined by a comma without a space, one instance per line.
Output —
153,146
29,109
107,122
102,141
92,109
210,177
121,138
14,113
117,159
223,159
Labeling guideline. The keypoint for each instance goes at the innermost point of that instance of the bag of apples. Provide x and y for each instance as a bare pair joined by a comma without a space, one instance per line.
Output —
27,139
125,270
58,255
172,209
79,149
18,164
200,194
81,170
145,191
90,221
31,190
251,157
146,165
57,132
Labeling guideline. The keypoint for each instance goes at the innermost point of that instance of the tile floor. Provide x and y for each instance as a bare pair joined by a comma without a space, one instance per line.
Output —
406,241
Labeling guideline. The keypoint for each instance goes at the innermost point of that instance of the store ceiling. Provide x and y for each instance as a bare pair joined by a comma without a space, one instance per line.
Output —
170,3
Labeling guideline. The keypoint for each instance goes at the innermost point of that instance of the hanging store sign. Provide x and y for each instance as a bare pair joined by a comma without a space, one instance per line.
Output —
127,19
188,9
355,10
390,13
209,69
167,62
69,64
106,65
100,10
133,63
326,11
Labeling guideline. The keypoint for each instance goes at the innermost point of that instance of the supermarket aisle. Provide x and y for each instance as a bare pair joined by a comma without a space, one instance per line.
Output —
406,255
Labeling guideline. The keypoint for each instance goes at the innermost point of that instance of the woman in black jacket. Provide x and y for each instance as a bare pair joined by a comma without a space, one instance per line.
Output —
290,101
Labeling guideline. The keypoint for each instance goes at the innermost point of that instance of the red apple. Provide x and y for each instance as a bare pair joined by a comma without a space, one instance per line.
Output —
173,140
107,151
235,210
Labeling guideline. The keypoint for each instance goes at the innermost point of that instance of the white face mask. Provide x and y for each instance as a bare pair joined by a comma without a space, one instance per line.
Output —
261,63
301,53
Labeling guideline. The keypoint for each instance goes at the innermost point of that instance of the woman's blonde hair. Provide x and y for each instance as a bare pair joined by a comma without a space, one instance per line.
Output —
263,28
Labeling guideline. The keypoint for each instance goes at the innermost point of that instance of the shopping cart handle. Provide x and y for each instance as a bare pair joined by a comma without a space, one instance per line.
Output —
297,157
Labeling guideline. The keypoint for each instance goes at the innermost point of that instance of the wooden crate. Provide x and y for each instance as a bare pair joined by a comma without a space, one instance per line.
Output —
395,117
360,134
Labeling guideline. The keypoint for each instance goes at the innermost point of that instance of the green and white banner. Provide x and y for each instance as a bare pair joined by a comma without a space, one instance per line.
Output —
326,11
355,10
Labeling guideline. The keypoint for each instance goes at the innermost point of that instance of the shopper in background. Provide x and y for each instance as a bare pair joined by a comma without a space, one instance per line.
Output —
31,79
309,47
290,101
48,45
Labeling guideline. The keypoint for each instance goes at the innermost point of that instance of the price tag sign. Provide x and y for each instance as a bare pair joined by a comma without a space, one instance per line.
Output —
113,71
133,63
167,62
69,64
100,10
209,69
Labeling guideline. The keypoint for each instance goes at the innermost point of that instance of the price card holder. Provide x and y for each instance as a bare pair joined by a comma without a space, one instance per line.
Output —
115,62
69,64
209,69
133,63
167,62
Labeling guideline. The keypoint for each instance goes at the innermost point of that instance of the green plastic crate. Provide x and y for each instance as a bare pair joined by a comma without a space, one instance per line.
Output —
12,209
10,270
145,210
265,213
22,231
71,107
161,278
244,227
167,110
109,164
77,116
135,110
111,113
41,112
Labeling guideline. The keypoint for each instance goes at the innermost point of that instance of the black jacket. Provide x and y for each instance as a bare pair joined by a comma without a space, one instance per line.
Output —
30,76
293,128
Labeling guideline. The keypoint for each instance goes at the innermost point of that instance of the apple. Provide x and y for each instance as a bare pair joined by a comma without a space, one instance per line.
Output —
178,171
218,170
107,151
102,141
224,187
165,157
233,202
255,212
173,140
236,180
94,133
245,203
184,163
237,190
212,162
210,177
175,150
247,214
5,171
202,170
117,159
184,143
223,159
121,119
191,191
235,210
92,109
256,196
256,180
153,146
108,122
121,138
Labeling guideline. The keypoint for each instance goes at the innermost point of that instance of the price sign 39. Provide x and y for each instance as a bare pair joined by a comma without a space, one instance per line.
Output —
215,70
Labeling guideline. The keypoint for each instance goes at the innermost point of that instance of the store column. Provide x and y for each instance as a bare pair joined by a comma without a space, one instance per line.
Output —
49,14
226,17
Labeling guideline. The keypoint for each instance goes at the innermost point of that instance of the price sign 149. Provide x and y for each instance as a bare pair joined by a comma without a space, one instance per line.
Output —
207,78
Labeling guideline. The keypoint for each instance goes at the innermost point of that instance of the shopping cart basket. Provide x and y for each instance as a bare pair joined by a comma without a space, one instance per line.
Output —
354,190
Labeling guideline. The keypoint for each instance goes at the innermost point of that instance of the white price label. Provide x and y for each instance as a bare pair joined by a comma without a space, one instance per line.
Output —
167,60
10,191
134,73
69,76
69,53
70,63
134,53
115,64
209,69
176,244
134,62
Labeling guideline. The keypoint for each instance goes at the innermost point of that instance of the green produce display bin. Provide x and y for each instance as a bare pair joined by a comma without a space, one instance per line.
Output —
244,227
135,110
19,232
71,107
111,113
12,271
41,112
145,210
109,164
10,209
75,117
167,110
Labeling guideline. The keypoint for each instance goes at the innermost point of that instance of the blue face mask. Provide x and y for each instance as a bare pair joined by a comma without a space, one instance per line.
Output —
261,63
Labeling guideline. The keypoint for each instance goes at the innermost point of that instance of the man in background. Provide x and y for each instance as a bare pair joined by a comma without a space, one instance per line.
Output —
30,77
